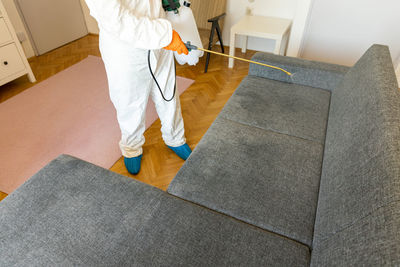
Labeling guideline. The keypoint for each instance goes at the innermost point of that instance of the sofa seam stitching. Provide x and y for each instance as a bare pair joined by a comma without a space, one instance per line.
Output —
276,132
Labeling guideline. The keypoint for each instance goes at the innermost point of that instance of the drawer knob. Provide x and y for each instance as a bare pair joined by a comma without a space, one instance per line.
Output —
5,63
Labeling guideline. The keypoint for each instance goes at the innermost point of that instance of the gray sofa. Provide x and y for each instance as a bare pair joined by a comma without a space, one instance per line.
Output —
293,172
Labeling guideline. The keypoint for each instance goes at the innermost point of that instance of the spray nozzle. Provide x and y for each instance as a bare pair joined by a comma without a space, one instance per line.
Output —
190,47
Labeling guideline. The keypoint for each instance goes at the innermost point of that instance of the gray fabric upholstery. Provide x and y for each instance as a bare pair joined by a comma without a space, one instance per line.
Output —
291,109
360,181
264,178
259,163
73,213
305,72
371,241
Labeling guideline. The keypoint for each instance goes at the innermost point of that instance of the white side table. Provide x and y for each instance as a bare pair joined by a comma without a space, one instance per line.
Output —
277,29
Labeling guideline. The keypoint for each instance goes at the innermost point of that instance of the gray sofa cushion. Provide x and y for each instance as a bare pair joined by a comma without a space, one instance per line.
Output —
261,177
291,109
305,72
73,213
361,170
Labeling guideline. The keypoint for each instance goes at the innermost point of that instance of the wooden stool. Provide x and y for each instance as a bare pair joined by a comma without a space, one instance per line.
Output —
215,27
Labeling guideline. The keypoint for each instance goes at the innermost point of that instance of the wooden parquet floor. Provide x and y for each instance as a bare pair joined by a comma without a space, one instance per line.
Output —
201,103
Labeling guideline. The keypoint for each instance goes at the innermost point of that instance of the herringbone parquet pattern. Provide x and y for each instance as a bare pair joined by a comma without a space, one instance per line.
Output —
201,103
51,63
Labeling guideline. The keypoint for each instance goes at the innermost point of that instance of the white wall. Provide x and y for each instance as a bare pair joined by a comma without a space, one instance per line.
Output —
18,26
398,74
90,21
340,31
298,27
297,10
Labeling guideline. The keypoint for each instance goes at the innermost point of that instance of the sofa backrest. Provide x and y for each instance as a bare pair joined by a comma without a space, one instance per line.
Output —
305,72
358,214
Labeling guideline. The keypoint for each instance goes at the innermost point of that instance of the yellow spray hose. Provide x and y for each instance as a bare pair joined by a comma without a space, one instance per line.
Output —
246,60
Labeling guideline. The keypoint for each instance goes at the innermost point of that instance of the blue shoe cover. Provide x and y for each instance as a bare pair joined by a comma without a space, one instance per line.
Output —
182,151
133,164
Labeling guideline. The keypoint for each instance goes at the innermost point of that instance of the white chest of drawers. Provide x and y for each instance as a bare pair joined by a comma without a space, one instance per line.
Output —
13,62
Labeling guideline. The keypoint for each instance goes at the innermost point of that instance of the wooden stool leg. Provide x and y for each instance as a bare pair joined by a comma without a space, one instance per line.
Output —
220,37
210,43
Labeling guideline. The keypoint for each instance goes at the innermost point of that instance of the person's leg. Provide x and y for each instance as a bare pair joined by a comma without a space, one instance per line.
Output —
129,87
172,126
173,131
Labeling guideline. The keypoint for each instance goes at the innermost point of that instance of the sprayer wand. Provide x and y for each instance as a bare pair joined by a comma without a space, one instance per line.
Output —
190,47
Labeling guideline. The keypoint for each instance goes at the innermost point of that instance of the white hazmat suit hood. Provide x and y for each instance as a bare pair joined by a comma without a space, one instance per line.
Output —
128,30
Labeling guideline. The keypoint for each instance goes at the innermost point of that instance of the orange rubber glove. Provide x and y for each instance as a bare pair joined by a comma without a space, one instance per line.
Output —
177,44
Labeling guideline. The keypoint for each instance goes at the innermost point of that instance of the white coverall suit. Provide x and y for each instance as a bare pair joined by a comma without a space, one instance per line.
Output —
128,29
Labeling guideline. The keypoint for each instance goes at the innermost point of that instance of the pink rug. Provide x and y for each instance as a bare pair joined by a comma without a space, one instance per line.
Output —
69,113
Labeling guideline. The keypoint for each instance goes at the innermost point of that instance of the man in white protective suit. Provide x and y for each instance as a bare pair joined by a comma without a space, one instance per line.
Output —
133,35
